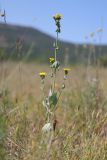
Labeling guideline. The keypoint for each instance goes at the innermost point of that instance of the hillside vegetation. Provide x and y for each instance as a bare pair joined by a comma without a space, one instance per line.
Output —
36,46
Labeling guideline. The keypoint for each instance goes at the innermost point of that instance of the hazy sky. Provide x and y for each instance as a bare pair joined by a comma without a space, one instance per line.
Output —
80,17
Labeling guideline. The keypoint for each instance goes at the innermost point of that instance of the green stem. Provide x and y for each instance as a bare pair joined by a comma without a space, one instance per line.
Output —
43,88
56,46
54,80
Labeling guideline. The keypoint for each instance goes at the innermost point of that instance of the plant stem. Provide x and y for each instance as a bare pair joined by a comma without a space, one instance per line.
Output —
56,46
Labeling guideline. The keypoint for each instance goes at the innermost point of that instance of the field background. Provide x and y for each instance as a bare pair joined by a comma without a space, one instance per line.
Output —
81,131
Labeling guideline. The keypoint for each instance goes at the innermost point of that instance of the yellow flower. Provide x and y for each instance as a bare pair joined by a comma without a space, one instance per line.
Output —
66,70
57,17
52,60
42,75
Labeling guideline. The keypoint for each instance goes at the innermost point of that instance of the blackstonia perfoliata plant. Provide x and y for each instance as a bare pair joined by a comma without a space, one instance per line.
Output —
50,101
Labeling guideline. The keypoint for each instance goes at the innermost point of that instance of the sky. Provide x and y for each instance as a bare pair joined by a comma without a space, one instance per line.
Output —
80,17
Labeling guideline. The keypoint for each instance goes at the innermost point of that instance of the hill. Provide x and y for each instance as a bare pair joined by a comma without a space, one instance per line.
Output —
36,45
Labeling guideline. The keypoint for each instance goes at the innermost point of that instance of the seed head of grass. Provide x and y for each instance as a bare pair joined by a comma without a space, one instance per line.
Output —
92,34
99,30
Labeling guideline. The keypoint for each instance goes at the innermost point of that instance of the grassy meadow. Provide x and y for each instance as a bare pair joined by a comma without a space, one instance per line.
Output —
81,130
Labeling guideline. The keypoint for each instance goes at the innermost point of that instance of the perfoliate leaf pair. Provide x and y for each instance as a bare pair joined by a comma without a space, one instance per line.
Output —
55,65
53,99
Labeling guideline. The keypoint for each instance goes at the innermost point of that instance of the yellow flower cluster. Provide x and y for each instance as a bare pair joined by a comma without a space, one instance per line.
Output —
42,75
52,60
66,70
57,17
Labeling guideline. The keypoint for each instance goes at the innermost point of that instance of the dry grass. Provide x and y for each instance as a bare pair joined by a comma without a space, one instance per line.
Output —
81,132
